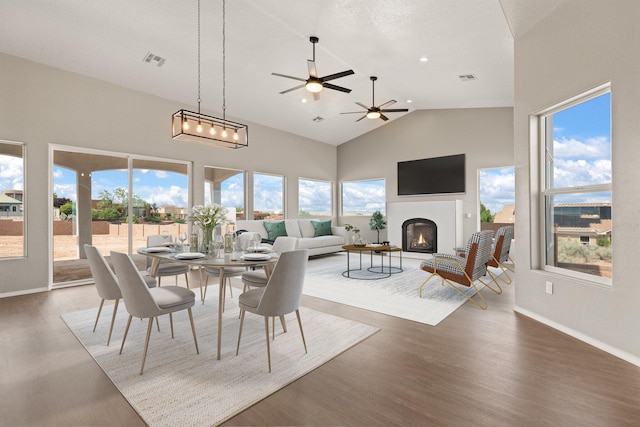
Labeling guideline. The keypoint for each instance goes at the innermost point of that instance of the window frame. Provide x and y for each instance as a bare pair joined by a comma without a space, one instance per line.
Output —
25,209
253,191
540,136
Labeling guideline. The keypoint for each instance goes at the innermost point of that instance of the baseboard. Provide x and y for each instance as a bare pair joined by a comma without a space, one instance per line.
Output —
582,337
27,292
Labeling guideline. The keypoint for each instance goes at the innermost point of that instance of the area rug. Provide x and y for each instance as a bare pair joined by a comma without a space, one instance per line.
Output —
182,388
396,296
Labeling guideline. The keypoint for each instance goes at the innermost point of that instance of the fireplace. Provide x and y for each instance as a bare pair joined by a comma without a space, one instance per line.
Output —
419,235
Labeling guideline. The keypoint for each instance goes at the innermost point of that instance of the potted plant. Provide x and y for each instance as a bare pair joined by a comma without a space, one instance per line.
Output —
377,223
357,240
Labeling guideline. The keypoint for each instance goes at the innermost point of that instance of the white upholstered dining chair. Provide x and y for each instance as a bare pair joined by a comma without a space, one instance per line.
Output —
281,296
149,303
166,268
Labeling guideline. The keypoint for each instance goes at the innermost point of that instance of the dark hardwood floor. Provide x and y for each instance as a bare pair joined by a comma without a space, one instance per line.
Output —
476,368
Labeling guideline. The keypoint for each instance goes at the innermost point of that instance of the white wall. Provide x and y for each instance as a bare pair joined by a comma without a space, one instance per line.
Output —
485,135
583,44
42,105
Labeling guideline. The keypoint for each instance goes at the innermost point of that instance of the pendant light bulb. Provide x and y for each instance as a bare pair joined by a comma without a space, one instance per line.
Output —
185,124
224,132
199,128
212,131
235,135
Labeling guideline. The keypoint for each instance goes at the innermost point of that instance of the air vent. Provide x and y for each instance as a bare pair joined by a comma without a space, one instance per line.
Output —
152,58
467,77
318,119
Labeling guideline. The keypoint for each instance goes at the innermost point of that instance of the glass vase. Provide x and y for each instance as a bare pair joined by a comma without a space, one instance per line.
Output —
207,240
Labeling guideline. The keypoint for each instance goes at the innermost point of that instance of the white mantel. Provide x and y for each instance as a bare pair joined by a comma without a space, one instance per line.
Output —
446,214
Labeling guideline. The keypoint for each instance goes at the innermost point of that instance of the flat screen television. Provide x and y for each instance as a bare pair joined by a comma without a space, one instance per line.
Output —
436,175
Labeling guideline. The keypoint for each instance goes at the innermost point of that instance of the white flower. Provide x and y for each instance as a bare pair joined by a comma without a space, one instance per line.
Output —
208,216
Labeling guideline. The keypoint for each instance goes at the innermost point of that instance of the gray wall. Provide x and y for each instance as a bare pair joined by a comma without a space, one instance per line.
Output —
485,135
583,44
42,105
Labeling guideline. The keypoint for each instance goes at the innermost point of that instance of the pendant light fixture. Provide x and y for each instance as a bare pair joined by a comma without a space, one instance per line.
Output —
197,127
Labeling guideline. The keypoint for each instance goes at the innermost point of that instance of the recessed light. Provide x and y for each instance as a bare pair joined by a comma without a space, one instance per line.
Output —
409,101
424,59
304,100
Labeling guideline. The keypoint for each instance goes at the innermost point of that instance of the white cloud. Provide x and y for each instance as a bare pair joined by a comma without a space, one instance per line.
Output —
497,188
11,173
58,174
590,148
161,174
67,191
571,173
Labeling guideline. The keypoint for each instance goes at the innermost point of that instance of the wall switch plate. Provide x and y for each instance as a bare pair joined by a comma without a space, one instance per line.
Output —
468,215
550,288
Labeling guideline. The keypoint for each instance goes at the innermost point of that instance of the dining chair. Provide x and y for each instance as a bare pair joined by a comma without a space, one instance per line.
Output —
258,278
166,268
149,303
107,283
465,271
281,296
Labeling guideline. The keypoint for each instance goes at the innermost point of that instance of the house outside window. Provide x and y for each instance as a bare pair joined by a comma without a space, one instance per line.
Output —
576,186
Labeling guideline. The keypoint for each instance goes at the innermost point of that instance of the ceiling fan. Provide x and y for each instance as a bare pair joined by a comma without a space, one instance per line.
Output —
374,112
314,84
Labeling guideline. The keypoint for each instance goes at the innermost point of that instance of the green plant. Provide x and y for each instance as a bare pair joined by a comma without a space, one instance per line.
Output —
485,214
180,221
67,209
350,227
377,223
604,241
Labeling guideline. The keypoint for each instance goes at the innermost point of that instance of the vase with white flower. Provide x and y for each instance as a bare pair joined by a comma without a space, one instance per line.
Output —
207,218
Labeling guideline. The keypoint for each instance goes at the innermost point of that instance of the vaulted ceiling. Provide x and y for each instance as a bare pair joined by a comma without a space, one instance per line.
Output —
109,40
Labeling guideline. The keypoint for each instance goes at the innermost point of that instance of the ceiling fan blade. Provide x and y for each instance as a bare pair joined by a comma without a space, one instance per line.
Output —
386,104
334,87
395,110
361,118
336,75
363,106
293,88
354,112
312,68
316,96
383,117
289,77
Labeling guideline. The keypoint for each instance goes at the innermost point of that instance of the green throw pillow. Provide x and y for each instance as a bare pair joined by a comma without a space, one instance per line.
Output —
321,228
275,229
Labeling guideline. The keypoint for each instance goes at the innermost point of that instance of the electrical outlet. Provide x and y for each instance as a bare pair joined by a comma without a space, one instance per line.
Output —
550,288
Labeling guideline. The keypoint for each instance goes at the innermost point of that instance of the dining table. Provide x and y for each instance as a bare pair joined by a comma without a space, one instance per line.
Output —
249,259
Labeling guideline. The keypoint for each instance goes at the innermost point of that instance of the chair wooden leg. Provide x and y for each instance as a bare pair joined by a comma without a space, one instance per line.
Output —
98,316
273,328
266,329
230,287
186,277
240,331
126,331
159,280
193,329
283,323
206,284
146,344
201,294
171,323
301,331
113,320
158,324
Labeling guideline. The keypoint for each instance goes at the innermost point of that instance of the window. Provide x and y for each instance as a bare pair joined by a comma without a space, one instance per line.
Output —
576,186
268,196
314,198
225,187
12,199
363,197
497,197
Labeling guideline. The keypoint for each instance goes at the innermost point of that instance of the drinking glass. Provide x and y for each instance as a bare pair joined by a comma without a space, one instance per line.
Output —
256,241
182,237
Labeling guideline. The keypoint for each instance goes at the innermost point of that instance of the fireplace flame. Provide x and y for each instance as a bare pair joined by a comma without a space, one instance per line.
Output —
421,240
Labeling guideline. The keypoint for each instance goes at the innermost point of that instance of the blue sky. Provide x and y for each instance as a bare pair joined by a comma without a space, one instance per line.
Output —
581,149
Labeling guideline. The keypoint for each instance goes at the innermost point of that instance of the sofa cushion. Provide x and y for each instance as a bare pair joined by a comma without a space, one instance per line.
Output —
321,228
275,229
309,243
330,240
306,228
293,230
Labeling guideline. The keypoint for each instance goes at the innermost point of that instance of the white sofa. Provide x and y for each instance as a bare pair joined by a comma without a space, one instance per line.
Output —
304,232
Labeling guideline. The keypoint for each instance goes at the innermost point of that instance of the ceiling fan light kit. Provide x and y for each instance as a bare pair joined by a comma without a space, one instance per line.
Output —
194,126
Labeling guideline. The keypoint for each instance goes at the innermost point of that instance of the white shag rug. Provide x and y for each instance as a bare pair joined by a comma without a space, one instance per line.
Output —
396,296
182,388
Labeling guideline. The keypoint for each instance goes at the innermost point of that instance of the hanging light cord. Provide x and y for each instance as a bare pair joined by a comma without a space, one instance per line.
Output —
198,57
224,95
